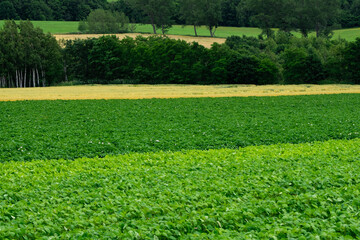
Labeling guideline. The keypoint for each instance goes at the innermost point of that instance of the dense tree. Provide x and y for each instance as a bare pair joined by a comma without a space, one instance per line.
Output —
104,21
318,15
191,12
135,15
268,14
69,10
229,13
28,57
159,12
211,14
7,10
305,15
352,62
350,13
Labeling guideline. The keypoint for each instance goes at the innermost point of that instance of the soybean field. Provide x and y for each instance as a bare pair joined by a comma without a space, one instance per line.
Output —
284,167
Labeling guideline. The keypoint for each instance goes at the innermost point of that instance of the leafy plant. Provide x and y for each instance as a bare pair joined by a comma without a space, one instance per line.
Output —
88,128
282,191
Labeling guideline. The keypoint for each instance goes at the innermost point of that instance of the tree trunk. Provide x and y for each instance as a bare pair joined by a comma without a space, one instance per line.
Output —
17,78
33,77
65,71
163,29
153,24
37,77
25,78
211,31
195,31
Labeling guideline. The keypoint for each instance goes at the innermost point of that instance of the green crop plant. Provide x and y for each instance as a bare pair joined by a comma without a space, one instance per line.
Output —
89,128
284,191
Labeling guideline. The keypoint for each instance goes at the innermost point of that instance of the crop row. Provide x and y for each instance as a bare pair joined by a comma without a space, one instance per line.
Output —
88,128
304,191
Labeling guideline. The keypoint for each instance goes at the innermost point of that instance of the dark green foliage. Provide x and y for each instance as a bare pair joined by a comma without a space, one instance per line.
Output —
158,12
76,57
272,13
285,191
28,57
241,60
103,21
162,60
284,14
301,66
68,10
352,62
7,10
72,129
350,14
250,44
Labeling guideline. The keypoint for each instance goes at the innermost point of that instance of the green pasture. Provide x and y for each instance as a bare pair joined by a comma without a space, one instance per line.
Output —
284,191
58,27
89,128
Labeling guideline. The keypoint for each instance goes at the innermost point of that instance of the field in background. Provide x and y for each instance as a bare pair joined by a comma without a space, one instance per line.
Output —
167,91
58,27
205,41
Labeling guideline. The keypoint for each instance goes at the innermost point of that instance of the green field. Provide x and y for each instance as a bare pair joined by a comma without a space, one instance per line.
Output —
89,128
58,27
285,191
198,168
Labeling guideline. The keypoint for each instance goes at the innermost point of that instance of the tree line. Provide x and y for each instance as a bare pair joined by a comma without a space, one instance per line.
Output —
30,58
304,15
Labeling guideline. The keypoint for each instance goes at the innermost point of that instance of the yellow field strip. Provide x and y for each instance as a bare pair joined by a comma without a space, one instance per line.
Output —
205,41
168,91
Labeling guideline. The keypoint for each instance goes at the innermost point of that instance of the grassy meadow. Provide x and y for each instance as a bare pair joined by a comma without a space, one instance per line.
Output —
58,27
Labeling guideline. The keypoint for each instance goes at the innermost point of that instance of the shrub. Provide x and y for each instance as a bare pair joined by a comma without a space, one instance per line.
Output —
352,62
302,66
104,21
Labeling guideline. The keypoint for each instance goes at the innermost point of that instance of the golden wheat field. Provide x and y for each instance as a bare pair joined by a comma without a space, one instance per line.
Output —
167,91
205,41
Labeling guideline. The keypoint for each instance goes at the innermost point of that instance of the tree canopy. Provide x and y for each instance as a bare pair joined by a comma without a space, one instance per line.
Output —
303,15
28,57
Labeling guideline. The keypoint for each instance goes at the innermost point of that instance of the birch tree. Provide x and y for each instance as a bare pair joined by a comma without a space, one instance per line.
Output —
28,57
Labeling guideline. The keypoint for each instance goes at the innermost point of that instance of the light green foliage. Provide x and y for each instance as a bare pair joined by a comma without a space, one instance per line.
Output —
103,21
306,191
71,129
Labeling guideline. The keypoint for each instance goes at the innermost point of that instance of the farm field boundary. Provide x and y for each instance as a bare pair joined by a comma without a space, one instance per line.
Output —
302,191
168,91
